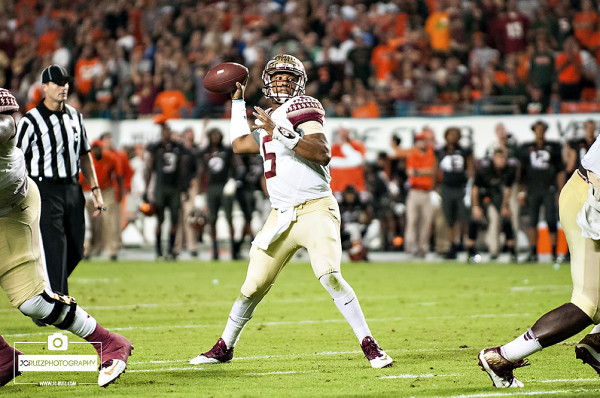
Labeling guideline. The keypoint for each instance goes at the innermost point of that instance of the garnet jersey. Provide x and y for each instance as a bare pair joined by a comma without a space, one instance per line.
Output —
290,178
13,175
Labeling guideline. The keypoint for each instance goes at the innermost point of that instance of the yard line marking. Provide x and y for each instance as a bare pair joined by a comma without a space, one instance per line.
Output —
300,354
565,380
309,322
164,369
536,287
409,376
281,373
519,393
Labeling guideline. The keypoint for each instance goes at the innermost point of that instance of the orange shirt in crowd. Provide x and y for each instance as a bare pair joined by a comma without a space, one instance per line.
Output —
84,74
126,167
342,177
584,25
437,27
47,43
107,170
569,75
382,61
170,103
419,160
369,110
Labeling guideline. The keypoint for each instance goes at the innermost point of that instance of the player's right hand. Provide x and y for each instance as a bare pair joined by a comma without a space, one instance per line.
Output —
239,93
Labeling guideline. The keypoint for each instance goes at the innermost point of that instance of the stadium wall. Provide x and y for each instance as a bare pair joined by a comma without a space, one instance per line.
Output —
478,131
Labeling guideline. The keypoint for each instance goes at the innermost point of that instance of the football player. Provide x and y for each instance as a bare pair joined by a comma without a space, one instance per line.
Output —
23,274
289,137
579,212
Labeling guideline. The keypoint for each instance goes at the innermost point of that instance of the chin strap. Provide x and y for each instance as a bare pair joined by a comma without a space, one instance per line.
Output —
286,136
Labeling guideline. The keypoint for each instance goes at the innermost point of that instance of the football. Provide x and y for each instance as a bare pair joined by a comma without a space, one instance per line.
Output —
222,78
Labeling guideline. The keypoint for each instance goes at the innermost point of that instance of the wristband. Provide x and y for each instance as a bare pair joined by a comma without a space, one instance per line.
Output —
287,137
94,188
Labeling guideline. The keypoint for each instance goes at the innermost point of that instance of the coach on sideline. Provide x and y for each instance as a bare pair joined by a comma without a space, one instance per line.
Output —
56,147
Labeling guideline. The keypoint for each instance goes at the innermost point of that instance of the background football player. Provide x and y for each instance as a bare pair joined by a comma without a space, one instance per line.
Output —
289,137
23,274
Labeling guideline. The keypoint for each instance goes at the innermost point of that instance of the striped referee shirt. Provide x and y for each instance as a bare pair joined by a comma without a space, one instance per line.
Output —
52,141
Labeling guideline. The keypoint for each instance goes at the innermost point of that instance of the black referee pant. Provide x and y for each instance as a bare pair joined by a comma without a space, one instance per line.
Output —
62,225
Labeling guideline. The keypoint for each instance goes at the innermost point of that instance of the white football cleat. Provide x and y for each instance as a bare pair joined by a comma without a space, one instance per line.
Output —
499,368
110,371
218,354
376,356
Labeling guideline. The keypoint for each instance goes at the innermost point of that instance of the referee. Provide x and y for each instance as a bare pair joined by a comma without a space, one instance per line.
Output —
56,148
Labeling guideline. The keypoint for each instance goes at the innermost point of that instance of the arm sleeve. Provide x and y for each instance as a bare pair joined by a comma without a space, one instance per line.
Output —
239,122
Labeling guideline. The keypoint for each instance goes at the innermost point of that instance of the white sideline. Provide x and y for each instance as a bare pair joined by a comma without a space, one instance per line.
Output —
521,393
164,369
409,376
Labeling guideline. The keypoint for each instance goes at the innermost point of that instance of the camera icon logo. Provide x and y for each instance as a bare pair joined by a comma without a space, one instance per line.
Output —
58,342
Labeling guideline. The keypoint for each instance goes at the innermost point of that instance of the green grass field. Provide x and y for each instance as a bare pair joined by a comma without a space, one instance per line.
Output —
432,318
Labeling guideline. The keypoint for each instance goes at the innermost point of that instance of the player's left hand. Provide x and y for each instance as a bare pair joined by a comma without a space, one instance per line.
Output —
263,121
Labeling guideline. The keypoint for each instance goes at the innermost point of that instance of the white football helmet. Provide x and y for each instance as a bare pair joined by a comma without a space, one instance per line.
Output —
283,63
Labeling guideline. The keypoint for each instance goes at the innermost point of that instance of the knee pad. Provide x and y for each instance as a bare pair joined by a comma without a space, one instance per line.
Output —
52,309
337,287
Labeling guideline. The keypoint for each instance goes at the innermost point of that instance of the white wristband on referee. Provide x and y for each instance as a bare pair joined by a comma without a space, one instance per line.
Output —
287,137
239,123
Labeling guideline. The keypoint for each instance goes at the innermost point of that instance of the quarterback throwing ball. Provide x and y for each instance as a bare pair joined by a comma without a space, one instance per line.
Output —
289,137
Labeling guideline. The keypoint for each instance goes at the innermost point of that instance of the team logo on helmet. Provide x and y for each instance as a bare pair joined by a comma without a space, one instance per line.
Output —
283,63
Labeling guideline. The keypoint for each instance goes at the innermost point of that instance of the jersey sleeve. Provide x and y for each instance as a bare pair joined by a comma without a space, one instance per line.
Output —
304,109
85,142
24,133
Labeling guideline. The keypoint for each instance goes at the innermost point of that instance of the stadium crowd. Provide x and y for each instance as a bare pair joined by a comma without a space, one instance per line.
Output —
364,58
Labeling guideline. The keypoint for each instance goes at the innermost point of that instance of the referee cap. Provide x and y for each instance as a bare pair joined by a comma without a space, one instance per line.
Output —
56,74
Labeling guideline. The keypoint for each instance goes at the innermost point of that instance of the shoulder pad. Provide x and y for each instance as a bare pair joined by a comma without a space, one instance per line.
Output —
303,109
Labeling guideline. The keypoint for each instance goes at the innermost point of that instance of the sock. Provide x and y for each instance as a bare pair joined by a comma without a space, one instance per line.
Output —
596,329
83,325
512,250
521,347
158,244
472,251
553,250
533,249
98,338
171,242
240,314
347,303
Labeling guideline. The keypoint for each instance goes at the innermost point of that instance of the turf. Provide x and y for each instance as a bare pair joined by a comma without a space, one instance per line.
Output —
432,318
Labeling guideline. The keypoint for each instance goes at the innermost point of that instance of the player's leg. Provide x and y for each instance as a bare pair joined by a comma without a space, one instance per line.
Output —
263,269
24,281
9,357
472,256
213,197
325,258
413,216
534,203
551,214
424,229
52,225
159,197
75,227
566,320
228,209
174,208
509,234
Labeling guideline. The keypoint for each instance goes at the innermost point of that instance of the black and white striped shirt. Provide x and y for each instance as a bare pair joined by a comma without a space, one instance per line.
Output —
52,141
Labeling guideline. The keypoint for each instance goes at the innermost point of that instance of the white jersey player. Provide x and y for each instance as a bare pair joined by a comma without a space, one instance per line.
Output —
23,273
289,137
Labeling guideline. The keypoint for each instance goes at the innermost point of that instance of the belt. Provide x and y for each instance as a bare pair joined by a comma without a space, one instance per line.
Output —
57,180
583,173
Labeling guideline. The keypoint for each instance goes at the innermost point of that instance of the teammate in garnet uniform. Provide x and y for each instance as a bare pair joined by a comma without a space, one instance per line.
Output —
289,137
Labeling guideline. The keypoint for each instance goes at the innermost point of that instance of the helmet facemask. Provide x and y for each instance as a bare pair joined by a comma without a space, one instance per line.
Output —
283,64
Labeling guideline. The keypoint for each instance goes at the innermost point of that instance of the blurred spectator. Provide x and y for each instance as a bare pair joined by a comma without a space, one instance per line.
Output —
217,167
578,147
542,74
356,222
105,233
509,30
347,161
456,166
569,69
421,171
437,27
170,101
490,204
